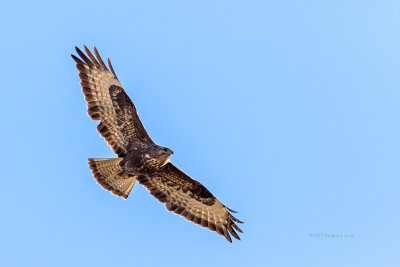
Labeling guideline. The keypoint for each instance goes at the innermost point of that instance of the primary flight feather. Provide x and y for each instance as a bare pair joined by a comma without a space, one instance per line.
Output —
139,158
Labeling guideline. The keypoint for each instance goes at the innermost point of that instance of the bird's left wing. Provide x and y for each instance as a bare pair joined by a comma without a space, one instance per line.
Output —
190,199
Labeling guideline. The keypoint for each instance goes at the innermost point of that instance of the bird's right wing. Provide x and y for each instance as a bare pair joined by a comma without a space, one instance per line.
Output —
190,199
108,102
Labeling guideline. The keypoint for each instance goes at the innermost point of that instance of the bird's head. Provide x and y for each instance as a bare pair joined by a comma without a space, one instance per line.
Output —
158,156
165,151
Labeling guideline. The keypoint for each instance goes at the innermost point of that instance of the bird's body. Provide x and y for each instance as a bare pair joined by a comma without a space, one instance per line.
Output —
139,158
144,159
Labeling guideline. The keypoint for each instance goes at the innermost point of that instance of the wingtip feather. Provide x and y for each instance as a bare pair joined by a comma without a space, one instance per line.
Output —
230,210
111,68
232,232
83,56
97,54
226,234
92,58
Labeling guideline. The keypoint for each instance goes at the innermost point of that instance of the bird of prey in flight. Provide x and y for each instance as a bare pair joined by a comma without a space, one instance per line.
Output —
139,158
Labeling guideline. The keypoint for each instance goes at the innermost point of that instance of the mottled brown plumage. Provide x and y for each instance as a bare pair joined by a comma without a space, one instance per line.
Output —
139,158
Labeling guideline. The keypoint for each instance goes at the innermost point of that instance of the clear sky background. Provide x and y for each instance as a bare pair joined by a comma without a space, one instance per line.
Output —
288,111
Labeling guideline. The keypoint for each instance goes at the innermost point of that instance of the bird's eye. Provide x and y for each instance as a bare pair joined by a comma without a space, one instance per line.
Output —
165,149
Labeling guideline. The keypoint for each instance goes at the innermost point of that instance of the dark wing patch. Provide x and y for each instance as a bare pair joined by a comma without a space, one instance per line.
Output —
108,102
126,111
190,199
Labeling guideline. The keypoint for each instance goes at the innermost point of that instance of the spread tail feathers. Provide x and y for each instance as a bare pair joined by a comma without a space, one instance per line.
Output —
109,174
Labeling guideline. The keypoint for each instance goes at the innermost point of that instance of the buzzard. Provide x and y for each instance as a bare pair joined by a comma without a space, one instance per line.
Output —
139,158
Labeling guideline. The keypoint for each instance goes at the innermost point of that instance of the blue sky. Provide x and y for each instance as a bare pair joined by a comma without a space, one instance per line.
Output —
288,111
